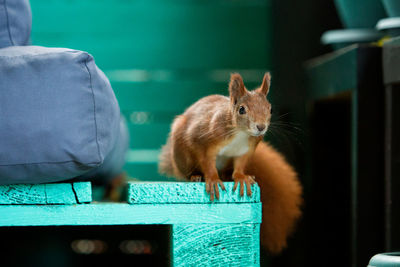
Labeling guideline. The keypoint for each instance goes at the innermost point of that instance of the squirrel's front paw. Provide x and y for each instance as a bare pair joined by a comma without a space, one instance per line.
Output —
212,187
243,179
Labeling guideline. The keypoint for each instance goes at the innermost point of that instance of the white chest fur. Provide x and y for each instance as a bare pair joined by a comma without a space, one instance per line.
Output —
238,146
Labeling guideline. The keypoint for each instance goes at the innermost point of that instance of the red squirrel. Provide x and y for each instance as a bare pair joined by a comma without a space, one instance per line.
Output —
220,138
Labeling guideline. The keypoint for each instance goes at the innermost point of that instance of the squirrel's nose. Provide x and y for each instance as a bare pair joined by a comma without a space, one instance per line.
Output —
260,127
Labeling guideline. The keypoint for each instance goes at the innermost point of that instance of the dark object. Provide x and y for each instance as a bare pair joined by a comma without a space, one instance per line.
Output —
391,74
352,75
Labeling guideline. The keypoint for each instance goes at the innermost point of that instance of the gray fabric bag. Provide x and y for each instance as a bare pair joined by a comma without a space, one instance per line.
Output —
59,117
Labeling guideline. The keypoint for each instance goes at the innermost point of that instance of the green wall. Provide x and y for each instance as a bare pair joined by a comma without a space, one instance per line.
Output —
160,56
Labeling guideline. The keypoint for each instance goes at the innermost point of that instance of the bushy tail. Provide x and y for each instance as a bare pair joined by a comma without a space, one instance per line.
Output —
281,196
165,160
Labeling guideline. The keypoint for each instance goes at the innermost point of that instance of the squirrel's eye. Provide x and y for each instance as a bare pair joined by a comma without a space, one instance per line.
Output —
242,110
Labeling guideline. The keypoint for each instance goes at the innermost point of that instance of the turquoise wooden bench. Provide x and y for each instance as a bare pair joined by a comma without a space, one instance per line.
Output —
223,233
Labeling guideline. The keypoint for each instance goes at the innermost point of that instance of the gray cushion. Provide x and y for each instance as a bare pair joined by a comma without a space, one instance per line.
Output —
15,22
59,117
114,161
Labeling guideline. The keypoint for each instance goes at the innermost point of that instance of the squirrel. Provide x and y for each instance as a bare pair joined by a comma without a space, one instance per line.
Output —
220,138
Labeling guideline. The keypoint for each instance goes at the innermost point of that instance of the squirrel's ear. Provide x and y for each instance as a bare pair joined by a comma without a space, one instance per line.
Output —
236,87
264,89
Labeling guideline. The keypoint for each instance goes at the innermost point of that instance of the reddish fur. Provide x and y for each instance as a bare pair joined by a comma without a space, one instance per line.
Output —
280,196
210,124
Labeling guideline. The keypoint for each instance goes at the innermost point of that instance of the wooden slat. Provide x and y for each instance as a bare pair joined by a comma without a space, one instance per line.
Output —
128,214
216,245
57,193
83,191
184,192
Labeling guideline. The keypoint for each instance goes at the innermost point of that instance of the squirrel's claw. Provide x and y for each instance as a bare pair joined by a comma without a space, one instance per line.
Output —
248,180
221,184
212,188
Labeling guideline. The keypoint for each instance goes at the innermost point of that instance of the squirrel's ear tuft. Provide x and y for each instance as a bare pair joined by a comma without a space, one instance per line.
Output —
264,89
236,87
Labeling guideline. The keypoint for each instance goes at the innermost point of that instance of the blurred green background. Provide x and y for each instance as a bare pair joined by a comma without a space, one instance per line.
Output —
160,56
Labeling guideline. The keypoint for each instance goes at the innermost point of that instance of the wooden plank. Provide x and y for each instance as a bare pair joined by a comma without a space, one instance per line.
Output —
83,191
216,245
57,193
184,192
128,214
